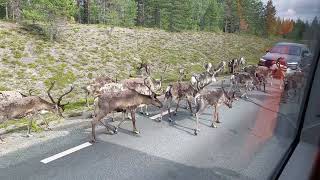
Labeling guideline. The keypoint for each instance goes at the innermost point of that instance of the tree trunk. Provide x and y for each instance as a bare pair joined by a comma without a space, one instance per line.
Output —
140,14
7,16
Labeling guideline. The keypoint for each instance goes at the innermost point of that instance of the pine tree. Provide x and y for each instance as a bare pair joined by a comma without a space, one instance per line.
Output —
270,18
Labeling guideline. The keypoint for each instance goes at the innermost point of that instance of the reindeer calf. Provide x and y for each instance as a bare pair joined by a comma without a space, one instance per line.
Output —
214,98
178,91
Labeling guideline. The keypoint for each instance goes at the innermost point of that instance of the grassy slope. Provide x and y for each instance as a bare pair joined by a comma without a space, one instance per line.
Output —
26,60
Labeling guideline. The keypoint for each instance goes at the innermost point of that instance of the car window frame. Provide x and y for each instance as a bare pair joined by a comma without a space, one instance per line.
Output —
303,108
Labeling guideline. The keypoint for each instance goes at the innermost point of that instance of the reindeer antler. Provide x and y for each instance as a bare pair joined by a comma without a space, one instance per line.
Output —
60,98
49,90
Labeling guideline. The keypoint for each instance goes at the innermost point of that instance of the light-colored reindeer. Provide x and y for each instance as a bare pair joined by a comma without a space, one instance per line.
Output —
214,98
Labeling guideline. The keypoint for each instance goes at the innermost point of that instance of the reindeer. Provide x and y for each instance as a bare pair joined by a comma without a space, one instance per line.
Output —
232,65
263,73
143,70
214,98
145,83
182,74
243,80
242,63
123,101
95,86
30,105
203,79
177,91
221,66
293,82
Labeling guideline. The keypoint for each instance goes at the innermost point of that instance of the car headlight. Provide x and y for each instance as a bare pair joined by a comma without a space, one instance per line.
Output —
293,63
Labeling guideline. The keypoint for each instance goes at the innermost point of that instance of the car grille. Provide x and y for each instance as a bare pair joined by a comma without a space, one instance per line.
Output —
268,63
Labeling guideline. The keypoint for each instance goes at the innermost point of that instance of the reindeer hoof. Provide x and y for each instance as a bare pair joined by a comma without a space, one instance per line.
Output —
158,120
141,112
218,122
115,131
196,132
175,113
213,126
92,141
49,129
29,135
136,132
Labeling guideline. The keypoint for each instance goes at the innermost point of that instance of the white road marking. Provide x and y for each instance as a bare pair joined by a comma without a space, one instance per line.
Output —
159,115
66,152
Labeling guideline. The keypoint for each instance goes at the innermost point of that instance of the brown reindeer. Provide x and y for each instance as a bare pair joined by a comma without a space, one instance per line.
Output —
178,91
214,98
123,101
31,105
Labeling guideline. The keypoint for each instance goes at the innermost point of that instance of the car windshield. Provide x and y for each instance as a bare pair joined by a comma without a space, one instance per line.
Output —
286,49
153,89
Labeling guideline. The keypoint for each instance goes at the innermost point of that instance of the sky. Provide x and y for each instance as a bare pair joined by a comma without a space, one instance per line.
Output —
294,9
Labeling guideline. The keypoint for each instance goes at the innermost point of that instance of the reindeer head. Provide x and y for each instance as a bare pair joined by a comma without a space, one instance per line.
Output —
57,106
153,95
228,100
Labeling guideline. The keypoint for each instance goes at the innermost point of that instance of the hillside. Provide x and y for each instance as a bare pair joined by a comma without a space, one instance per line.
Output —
86,51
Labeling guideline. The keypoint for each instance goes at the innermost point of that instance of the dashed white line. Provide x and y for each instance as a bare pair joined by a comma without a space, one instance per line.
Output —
66,152
159,115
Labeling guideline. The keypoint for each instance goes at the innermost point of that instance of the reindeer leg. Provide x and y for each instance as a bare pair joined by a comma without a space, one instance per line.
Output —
147,113
47,123
218,118
87,102
214,118
200,108
133,115
189,104
112,118
2,140
93,131
175,112
107,126
29,128
141,110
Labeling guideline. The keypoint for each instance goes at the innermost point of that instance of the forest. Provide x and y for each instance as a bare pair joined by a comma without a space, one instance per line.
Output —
231,16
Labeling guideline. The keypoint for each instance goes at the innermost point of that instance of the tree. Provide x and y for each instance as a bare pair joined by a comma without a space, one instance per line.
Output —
49,12
213,17
285,27
270,18
231,18
140,12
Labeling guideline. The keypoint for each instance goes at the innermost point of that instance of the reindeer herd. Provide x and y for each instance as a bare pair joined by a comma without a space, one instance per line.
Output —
125,96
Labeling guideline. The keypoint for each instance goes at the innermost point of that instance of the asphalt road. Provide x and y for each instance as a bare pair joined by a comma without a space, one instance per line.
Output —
248,144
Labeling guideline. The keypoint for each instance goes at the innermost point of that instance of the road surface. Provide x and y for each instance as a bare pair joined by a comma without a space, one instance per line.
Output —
248,144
